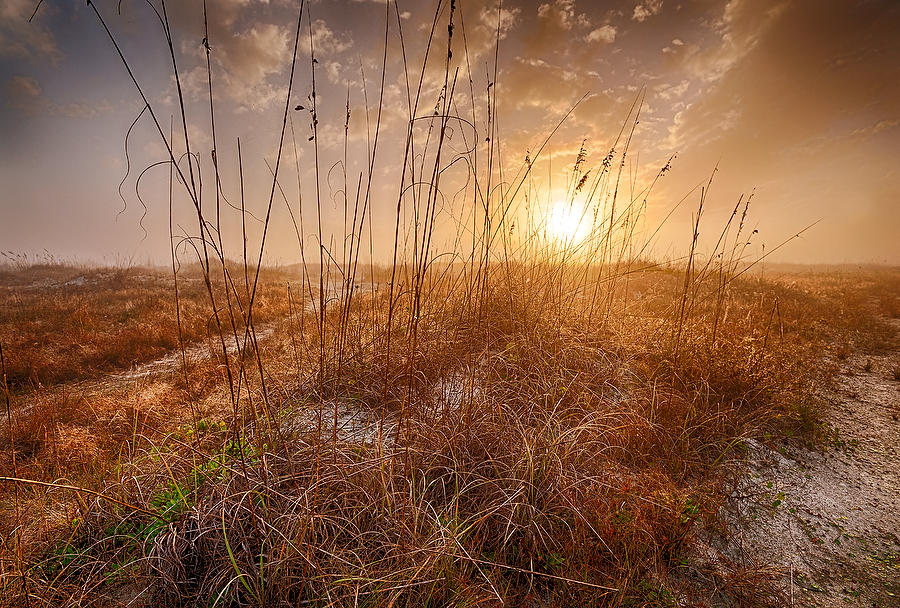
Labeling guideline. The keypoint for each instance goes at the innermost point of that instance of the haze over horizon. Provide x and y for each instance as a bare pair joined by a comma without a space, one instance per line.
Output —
797,101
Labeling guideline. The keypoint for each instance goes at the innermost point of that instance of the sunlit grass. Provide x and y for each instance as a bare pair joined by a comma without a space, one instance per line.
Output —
541,416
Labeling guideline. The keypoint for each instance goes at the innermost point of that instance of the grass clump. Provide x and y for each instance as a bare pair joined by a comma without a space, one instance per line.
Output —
558,460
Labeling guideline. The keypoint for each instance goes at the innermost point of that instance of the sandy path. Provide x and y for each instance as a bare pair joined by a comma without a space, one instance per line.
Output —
828,520
168,364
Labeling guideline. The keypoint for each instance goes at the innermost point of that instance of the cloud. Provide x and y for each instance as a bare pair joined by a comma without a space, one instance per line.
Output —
555,27
481,37
875,129
325,41
765,85
258,52
735,34
250,50
605,33
647,9
23,93
245,62
670,91
799,99
489,16
333,70
21,39
249,60
674,47
562,12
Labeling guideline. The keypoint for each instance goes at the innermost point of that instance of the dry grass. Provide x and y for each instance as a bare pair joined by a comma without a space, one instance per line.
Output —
527,458
541,422
60,323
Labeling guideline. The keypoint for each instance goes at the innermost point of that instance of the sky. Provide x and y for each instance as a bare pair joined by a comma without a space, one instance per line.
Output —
794,101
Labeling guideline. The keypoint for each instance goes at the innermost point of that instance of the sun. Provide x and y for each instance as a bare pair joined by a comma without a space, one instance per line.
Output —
566,223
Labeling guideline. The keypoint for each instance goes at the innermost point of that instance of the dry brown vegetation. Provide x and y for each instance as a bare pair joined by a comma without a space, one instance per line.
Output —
60,322
543,422
529,451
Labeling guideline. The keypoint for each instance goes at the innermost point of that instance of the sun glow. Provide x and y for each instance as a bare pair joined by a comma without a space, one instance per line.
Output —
567,223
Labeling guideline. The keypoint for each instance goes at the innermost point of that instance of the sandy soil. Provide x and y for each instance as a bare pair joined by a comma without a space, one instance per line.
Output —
823,525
